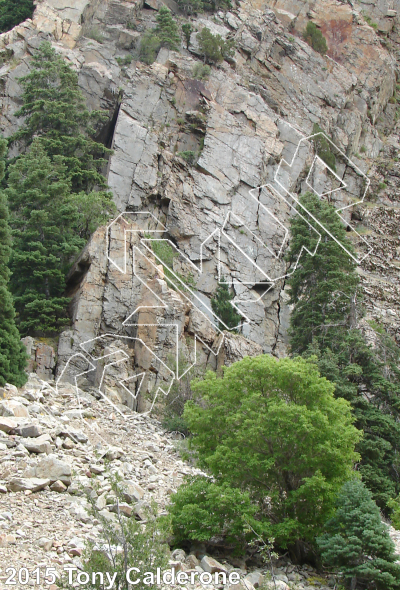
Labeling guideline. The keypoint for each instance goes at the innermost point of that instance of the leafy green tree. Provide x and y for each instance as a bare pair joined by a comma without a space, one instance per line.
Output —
55,111
13,355
221,305
149,47
214,48
324,292
274,428
202,509
313,36
358,542
187,30
324,287
50,226
14,12
167,29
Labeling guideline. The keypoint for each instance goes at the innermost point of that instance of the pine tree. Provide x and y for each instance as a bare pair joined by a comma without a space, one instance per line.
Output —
358,542
324,287
14,12
56,112
56,191
167,29
324,324
50,226
222,306
12,352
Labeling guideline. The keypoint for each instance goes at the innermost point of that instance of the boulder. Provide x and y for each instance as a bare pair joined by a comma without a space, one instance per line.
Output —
211,565
131,491
255,578
28,431
13,408
32,484
123,508
38,445
58,486
8,424
54,469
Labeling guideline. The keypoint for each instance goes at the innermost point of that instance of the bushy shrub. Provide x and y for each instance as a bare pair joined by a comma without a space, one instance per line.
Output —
189,155
201,71
313,36
222,306
202,509
214,48
323,148
149,47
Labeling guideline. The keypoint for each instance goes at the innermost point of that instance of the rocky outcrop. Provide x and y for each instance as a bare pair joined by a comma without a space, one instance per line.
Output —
244,127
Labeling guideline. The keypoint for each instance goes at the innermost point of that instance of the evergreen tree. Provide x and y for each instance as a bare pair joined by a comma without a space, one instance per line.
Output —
324,324
358,542
12,352
214,48
187,30
50,226
56,112
324,287
14,12
167,29
222,306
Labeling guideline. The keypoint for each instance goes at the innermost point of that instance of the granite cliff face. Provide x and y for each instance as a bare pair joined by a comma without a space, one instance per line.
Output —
238,124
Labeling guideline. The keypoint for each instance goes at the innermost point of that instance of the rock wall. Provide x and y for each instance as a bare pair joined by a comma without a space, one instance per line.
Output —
238,125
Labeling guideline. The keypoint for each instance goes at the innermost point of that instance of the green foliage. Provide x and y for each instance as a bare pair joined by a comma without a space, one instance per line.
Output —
149,47
190,156
173,404
50,226
125,544
124,61
202,509
214,48
394,506
167,254
167,29
313,36
358,542
273,428
12,352
55,111
95,34
56,191
187,30
201,71
191,6
14,12
222,306
324,324
323,287
323,148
